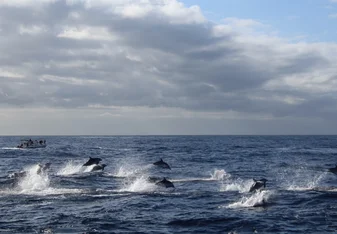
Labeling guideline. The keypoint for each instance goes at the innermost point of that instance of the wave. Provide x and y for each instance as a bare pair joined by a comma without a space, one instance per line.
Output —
11,148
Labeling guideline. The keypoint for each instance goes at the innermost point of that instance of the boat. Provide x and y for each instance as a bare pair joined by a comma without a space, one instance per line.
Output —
32,144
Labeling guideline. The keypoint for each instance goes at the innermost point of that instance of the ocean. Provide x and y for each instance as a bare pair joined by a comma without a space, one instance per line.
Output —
212,176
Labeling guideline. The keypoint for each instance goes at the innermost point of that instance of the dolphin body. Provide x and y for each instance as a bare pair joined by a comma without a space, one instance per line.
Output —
258,184
92,161
165,183
333,170
153,179
98,167
18,175
43,168
162,164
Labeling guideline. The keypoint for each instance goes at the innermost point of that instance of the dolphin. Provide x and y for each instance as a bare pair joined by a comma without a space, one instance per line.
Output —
165,183
258,184
92,161
162,164
333,169
18,175
43,168
153,179
98,167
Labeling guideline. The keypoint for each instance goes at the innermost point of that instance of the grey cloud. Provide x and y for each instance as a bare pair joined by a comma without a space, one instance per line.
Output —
179,65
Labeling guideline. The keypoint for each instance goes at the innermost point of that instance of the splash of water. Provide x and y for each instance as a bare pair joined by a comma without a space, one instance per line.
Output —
240,185
220,175
256,199
140,184
33,181
74,168
131,171
304,181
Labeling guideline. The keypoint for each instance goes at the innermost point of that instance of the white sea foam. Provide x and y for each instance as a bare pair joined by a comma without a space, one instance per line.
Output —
140,184
220,175
131,170
303,181
255,199
240,185
74,168
11,148
37,184
216,175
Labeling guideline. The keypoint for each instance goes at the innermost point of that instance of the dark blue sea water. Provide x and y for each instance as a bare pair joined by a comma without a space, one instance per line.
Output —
212,176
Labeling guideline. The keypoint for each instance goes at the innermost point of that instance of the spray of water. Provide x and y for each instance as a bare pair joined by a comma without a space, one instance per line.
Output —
140,184
33,181
238,184
131,170
220,175
256,199
72,167
301,179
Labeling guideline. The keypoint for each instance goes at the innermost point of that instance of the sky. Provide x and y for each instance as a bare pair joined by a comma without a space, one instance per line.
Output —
163,67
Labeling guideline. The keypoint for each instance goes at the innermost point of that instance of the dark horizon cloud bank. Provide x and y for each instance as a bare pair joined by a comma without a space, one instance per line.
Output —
157,67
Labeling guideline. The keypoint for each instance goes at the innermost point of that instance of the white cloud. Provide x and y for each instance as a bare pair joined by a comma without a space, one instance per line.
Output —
333,16
31,30
10,74
25,3
86,33
135,11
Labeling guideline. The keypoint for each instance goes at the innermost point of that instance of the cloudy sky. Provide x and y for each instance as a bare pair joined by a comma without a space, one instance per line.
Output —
168,67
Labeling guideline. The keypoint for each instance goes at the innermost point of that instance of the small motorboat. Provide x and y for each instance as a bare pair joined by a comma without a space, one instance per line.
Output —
32,144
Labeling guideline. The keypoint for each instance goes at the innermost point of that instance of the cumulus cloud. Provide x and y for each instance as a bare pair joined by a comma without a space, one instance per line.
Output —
155,54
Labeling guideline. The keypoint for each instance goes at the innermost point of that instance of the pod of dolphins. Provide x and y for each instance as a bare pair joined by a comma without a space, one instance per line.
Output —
163,182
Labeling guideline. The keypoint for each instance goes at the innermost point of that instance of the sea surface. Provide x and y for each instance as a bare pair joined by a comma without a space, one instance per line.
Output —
212,176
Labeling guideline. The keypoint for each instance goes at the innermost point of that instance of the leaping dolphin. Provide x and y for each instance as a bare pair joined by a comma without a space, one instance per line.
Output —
162,164
333,169
43,168
258,184
165,183
98,167
92,161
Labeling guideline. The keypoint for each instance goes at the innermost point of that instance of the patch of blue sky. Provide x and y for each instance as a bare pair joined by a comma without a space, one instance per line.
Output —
297,20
